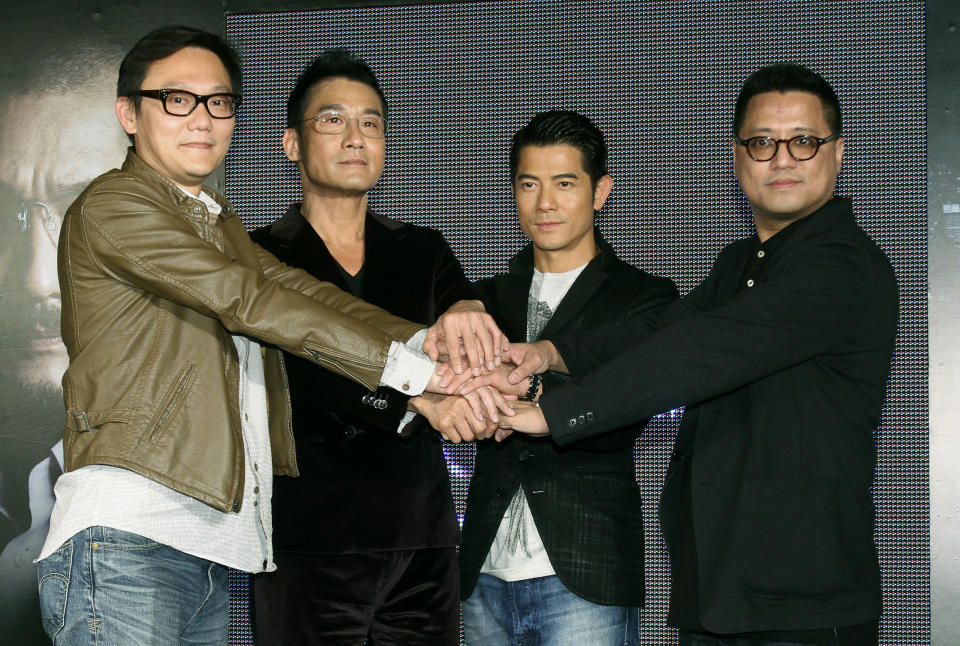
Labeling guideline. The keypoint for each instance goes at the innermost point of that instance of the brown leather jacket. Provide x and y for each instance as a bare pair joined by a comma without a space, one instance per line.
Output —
153,287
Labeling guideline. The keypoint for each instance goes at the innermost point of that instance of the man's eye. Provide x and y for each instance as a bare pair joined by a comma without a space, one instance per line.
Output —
804,140
331,118
761,141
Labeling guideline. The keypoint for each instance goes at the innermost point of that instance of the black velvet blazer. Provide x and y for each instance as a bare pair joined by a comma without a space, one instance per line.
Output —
362,487
584,497
783,384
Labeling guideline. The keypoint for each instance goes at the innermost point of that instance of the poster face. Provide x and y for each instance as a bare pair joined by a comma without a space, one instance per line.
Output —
58,132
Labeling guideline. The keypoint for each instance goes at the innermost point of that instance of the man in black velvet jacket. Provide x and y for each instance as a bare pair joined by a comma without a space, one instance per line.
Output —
553,538
781,356
365,539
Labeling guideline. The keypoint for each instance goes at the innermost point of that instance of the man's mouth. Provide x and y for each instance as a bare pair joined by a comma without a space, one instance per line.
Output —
547,226
783,182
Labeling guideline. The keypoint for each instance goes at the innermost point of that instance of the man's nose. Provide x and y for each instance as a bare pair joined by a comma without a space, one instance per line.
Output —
546,200
200,118
783,158
352,137
41,273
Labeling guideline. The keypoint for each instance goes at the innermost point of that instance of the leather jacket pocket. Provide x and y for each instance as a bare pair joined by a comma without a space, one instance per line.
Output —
172,400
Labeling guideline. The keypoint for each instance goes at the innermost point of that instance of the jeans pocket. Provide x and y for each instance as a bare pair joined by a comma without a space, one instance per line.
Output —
117,539
53,577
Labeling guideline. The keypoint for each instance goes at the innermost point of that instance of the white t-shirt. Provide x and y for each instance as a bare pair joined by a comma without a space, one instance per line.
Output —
517,552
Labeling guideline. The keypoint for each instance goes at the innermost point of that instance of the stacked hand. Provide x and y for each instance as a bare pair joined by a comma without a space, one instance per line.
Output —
464,418
466,331
474,392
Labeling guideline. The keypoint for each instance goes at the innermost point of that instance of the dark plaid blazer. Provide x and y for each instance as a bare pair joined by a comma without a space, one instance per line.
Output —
584,498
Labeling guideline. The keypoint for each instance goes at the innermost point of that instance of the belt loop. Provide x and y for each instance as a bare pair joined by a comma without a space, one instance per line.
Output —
83,424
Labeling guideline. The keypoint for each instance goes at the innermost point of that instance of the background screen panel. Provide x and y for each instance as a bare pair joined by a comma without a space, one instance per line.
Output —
660,79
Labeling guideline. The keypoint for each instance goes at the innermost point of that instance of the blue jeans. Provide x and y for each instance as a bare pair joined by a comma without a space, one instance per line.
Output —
106,587
542,612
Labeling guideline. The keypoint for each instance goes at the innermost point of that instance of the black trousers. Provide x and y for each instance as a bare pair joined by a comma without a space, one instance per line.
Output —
389,598
865,634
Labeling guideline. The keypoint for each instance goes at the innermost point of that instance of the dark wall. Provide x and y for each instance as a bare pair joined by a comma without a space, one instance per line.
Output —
660,80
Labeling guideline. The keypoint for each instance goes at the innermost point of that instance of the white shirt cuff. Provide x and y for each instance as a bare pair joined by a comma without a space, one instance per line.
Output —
408,370
416,341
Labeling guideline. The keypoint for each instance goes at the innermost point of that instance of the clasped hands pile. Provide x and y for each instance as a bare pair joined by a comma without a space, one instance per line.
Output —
475,392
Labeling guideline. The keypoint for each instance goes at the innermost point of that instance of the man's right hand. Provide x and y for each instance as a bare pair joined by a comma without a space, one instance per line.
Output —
498,379
463,418
530,358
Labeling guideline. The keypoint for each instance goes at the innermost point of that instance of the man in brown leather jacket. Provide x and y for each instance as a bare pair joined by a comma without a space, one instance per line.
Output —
177,417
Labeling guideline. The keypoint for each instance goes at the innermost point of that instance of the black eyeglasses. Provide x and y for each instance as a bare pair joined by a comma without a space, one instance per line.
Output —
801,147
181,103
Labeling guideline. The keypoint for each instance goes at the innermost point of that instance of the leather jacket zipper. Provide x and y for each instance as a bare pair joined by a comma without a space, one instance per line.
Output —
171,402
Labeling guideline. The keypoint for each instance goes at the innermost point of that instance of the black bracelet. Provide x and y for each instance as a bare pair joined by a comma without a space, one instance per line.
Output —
535,380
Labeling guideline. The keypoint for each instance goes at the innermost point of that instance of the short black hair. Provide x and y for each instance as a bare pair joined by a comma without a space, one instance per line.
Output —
331,63
788,77
563,127
167,41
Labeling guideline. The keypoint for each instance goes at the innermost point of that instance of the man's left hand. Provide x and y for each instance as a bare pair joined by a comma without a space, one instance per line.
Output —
527,418
466,330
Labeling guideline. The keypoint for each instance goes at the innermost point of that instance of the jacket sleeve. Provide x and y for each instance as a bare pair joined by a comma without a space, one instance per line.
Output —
640,319
583,351
397,328
450,284
133,239
815,301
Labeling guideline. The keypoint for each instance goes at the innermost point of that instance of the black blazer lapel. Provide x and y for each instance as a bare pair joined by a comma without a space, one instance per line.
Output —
511,305
383,273
316,259
300,246
575,301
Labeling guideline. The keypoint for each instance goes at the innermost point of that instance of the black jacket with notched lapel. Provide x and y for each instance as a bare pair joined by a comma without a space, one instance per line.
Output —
584,497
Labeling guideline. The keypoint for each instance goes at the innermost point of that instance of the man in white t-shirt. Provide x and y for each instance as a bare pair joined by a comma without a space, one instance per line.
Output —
553,538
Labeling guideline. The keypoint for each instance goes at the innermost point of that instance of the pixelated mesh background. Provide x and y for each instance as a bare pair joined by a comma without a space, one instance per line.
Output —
660,79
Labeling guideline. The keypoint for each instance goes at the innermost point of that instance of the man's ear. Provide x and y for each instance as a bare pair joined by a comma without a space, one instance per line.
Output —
602,191
127,114
291,144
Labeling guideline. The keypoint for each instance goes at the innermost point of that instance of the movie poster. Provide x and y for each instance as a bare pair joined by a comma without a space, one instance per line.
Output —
58,130
943,203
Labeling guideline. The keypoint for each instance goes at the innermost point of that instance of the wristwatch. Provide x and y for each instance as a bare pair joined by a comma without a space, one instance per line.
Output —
535,380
